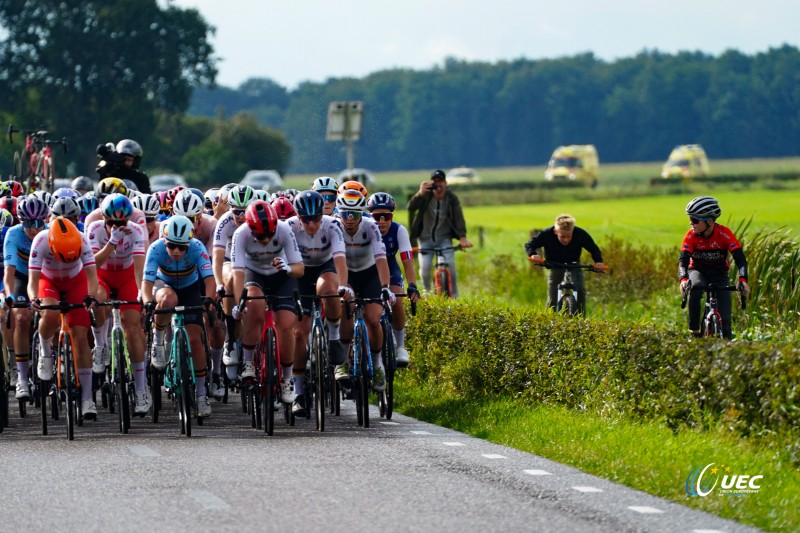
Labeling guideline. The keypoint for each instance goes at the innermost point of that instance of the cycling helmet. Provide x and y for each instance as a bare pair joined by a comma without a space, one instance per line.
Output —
172,193
88,203
240,196
65,240
162,202
283,208
11,188
704,207
211,198
290,194
178,229
380,200
147,203
308,204
131,147
82,183
261,218
6,219
325,183
187,203
66,207
110,186
65,192
353,185
198,192
44,196
351,200
261,194
225,189
130,185
30,208
117,207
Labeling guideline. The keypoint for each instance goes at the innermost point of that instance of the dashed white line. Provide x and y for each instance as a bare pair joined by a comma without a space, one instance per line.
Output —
144,451
421,432
389,423
538,473
206,499
587,489
644,509
494,456
707,531
454,444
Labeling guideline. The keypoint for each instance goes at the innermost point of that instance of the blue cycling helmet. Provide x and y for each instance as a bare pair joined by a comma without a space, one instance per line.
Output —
381,200
65,192
88,203
117,207
308,204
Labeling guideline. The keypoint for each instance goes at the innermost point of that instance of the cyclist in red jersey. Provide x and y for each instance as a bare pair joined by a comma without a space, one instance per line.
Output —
704,259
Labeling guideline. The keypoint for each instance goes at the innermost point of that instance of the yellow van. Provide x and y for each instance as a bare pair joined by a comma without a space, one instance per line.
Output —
686,161
576,162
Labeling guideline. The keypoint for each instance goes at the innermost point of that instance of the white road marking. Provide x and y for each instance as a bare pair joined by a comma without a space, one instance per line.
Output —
206,499
389,423
421,432
707,531
644,509
587,489
494,456
538,472
144,451
454,444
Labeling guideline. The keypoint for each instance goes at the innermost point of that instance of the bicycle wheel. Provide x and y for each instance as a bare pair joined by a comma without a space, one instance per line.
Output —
48,174
185,383
320,362
362,378
443,286
389,362
65,357
121,380
270,380
3,397
714,325
570,305
17,170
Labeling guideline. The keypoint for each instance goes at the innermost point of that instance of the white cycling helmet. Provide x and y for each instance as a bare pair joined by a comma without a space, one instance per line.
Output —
325,183
187,204
148,204
704,207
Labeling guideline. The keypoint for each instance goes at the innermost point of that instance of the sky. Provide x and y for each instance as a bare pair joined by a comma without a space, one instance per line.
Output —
292,41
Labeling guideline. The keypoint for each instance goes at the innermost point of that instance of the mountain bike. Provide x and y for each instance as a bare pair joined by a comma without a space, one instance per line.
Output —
442,275
67,382
567,298
121,373
34,168
264,388
711,324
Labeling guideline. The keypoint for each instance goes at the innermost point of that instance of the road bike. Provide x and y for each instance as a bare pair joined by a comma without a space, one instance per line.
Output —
4,387
34,167
319,377
711,324
121,372
567,296
442,275
263,390
389,356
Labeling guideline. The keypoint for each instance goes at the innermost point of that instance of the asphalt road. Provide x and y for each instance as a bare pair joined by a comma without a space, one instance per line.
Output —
403,475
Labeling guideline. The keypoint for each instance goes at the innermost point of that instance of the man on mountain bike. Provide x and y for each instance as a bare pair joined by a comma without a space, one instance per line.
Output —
563,243
437,221
704,260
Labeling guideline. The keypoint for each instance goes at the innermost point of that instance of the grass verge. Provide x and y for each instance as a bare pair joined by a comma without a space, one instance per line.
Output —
644,456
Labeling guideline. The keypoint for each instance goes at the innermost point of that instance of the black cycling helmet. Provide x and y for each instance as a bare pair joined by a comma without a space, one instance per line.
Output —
308,203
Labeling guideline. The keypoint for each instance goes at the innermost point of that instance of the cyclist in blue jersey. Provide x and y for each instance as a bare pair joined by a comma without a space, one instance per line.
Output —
178,270
32,213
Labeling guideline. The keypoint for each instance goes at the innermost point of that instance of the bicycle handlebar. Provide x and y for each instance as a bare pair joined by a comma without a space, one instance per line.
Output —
437,250
65,307
713,287
568,266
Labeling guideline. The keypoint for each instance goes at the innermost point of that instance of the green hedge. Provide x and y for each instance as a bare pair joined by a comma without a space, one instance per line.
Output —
469,349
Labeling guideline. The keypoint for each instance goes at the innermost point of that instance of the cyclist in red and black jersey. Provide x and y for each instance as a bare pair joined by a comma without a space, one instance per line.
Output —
704,259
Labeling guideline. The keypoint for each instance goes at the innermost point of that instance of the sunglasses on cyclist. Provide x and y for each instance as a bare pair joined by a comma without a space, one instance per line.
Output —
381,217
330,198
28,224
698,220
237,212
193,219
116,223
176,246
310,218
350,215
150,219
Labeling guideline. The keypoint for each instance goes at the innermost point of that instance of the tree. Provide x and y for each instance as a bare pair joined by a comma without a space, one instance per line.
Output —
98,70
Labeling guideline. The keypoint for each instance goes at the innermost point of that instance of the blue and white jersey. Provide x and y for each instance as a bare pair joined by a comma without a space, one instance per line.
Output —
397,240
194,265
17,249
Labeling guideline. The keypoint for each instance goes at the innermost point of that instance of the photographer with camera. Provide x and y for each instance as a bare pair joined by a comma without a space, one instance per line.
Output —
437,219
122,161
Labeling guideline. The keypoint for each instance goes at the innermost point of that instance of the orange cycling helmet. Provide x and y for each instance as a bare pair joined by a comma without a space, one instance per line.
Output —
65,240
353,185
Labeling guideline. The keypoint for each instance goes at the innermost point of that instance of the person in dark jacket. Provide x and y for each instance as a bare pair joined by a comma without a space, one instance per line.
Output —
122,161
563,243
436,220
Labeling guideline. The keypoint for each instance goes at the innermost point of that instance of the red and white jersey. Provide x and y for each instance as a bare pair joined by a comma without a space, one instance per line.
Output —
204,231
42,258
223,233
247,252
137,217
364,246
131,244
325,244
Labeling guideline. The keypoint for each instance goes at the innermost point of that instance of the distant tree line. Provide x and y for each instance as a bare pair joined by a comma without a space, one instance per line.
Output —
517,112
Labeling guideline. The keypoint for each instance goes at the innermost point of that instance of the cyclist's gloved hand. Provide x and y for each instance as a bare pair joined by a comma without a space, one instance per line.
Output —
413,292
150,306
346,292
9,301
207,302
35,304
237,313
90,302
220,290
684,284
387,294
744,288
280,264
116,236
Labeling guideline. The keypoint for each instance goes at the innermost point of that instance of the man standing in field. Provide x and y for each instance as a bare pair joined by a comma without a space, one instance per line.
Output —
563,243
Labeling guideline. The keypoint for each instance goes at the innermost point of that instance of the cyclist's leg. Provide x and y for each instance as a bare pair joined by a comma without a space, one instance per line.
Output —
165,297
99,329
79,323
216,342
48,324
724,299
253,321
554,276
698,280
425,264
21,328
450,258
328,283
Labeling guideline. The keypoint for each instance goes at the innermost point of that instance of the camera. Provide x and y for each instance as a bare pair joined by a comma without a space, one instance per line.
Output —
433,187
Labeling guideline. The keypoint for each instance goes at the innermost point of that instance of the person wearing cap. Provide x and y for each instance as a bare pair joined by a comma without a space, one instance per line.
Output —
437,219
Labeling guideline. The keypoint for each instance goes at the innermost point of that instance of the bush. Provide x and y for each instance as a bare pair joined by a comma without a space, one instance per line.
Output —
618,367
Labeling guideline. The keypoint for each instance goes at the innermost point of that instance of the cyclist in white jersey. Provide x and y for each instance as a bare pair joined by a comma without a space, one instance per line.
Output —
327,187
266,261
368,276
321,244
150,206
62,264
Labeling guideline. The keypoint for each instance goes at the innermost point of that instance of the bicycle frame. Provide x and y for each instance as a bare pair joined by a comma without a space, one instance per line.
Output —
442,275
711,322
121,371
567,294
39,171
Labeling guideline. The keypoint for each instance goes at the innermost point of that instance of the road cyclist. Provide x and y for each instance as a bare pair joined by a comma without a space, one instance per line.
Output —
328,188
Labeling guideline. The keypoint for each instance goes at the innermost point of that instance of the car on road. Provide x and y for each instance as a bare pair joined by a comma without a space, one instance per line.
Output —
361,175
576,162
462,175
268,180
686,161
165,182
